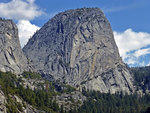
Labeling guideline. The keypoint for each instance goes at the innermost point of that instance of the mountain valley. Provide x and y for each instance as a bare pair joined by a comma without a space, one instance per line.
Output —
70,65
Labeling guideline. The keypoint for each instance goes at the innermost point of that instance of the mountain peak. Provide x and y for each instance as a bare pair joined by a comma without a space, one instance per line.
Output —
78,47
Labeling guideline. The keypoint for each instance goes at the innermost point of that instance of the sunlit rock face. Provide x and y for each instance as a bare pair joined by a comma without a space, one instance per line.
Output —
11,56
78,47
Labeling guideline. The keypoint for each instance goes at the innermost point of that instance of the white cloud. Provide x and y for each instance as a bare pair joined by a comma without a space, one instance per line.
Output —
148,64
142,63
142,52
132,45
26,30
20,10
31,1
129,40
131,61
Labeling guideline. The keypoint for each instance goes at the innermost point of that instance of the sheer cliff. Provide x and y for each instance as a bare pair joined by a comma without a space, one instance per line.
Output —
11,56
77,47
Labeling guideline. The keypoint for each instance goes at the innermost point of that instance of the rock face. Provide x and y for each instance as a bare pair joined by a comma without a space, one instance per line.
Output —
70,101
77,47
11,56
3,102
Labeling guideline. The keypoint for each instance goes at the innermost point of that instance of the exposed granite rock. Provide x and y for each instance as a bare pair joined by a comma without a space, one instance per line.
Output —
78,47
31,83
70,101
2,102
26,108
11,56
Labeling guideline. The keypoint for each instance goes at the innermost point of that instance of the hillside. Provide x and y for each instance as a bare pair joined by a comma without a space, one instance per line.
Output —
142,78
29,93
21,94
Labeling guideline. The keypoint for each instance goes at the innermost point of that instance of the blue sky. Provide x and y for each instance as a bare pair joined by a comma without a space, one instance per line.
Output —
130,21
122,14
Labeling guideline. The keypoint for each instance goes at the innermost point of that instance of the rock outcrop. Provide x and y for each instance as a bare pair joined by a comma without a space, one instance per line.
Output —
11,56
71,101
78,47
3,102
26,108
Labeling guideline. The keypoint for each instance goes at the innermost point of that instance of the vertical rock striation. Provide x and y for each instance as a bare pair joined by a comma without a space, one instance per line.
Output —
11,56
78,47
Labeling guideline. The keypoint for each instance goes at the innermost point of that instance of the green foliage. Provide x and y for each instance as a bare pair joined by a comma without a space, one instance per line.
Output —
31,75
114,103
68,89
8,82
40,99
142,77
13,106
43,99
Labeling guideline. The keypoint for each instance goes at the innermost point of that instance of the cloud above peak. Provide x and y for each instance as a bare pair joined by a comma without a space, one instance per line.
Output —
26,30
133,45
31,1
20,10
129,40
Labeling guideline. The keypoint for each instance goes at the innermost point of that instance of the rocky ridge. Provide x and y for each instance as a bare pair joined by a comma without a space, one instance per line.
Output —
23,94
16,99
77,47
11,56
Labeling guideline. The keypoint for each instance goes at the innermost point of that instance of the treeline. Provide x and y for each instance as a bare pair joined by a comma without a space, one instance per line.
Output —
114,103
43,99
142,77
40,99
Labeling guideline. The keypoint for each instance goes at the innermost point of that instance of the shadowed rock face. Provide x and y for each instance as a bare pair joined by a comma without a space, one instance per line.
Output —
78,47
11,56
